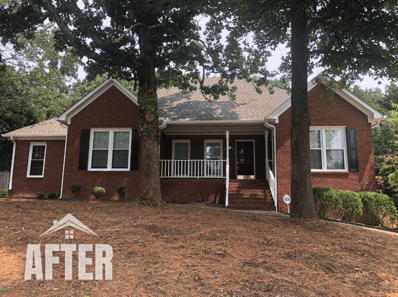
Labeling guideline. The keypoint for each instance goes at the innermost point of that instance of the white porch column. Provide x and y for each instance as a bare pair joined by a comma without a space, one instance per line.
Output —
266,156
227,168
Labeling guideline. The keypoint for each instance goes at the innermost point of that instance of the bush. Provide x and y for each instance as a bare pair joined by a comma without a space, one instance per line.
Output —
52,195
97,192
325,200
377,207
351,205
383,183
41,195
75,190
4,193
122,192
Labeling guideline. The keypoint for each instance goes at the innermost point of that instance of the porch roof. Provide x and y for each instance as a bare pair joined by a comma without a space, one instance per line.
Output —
174,105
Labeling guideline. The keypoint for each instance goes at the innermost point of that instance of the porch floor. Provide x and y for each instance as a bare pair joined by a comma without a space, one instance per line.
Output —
250,195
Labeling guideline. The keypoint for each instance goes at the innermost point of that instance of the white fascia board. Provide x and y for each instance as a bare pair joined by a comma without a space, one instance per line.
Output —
280,110
345,94
39,137
376,114
94,94
215,122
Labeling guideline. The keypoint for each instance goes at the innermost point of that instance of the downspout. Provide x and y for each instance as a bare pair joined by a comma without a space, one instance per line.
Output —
63,166
227,169
269,126
12,162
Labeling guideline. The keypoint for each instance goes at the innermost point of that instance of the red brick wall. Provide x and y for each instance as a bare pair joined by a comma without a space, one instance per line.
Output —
190,189
29,186
110,110
336,112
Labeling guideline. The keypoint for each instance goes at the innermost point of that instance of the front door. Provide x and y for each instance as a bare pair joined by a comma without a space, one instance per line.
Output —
245,159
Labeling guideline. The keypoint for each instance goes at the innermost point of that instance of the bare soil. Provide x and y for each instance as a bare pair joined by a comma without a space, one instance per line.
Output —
185,250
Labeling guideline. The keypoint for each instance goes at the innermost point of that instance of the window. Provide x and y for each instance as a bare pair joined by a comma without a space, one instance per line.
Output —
328,149
37,157
213,151
110,149
181,149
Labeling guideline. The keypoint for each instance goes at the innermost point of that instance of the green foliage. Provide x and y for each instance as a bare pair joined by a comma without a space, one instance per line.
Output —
385,179
373,97
97,192
52,195
325,199
351,205
390,96
41,195
4,193
385,142
75,189
122,192
377,207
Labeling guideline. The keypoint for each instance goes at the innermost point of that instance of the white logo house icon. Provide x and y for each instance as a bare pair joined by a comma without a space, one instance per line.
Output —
68,221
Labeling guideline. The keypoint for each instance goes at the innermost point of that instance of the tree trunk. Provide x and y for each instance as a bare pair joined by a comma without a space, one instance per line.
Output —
301,183
149,120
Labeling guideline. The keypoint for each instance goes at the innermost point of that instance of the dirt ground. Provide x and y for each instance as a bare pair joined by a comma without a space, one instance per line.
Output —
185,250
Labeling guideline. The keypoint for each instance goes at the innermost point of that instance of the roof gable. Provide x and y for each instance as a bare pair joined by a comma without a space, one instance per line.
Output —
369,111
93,95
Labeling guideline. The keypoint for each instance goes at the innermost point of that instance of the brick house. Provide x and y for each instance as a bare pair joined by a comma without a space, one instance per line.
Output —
235,154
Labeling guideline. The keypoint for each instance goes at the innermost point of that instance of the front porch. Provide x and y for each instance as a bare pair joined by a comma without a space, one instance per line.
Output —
231,168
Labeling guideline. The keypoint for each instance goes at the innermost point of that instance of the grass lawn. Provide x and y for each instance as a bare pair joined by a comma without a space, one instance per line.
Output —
182,250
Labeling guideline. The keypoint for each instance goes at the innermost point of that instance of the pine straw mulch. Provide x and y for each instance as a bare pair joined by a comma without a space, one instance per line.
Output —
183,250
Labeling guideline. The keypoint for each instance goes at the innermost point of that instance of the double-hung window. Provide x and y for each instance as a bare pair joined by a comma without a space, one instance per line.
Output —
37,158
110,149
213,156
328,149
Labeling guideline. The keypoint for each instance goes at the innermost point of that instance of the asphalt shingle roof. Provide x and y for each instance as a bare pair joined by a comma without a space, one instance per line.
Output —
47,128
174,105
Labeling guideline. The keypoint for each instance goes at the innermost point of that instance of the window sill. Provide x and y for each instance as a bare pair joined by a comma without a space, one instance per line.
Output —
330,172
35,176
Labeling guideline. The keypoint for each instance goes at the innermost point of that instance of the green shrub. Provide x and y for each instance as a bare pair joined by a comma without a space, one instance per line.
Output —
75,189
325,200
383,182
351,205
377,207
122,192
4,193
97,192
52,195
41,195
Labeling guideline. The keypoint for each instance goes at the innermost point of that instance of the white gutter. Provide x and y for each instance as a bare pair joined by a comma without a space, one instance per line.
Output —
12,161
267,125
63,167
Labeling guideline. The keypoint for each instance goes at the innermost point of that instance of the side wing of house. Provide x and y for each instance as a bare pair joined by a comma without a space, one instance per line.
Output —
37,159
102,143
341,144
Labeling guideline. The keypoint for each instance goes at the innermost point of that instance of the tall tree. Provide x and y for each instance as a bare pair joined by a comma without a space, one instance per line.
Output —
133,40
347,38
34,83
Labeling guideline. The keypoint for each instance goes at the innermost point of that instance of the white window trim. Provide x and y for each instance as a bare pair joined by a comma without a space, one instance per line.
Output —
323,148
181,141
110,149
32,144
220,141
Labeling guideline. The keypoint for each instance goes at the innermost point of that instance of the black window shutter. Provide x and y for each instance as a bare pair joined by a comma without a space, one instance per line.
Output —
84,146
352,149
135,150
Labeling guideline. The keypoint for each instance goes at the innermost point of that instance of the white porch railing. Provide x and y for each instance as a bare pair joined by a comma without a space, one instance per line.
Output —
192,168
271,183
